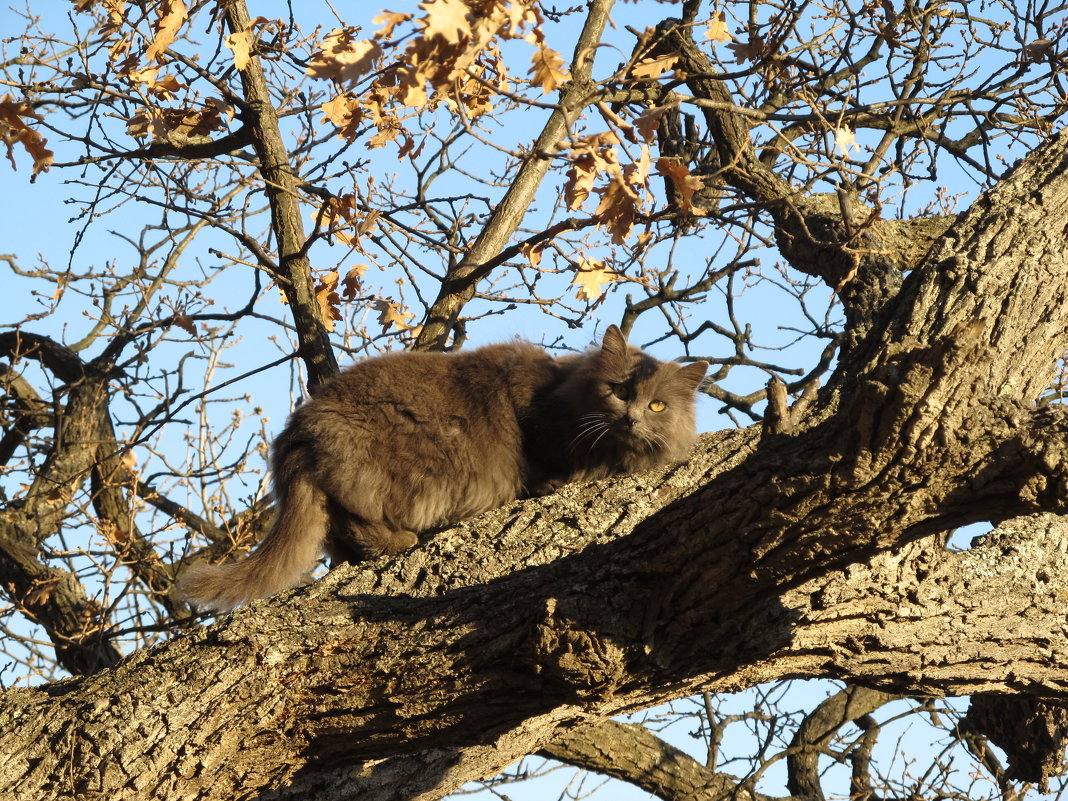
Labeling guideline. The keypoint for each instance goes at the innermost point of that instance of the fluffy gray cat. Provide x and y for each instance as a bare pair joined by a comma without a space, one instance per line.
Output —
406,442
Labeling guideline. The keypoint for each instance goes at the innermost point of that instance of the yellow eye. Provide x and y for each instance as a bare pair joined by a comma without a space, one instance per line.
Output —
657,406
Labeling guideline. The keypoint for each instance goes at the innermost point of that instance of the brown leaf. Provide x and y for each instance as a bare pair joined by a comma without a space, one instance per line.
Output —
327,297
351,282
590,278
392,315
532,252
185,322
580,177
388,20
172,16
655,67
342,58
368,223
242,42
549,71
345,113
618,208
593,154
752,50
13,128
685,183
164,87
648,121
445,18
41,591
717,31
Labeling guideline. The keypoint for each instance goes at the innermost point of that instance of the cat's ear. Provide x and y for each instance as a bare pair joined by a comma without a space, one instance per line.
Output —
690,375
614,341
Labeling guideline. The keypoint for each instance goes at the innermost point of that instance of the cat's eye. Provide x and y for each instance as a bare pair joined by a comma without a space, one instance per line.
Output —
621,391
657,406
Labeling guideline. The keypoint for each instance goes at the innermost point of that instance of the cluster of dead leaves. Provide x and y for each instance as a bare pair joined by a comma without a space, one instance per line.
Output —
180,126
332,290
328,298
623,187
15,130
453,59
141,59
130,50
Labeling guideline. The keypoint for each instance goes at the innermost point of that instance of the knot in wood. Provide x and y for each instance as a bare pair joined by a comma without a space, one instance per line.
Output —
578,661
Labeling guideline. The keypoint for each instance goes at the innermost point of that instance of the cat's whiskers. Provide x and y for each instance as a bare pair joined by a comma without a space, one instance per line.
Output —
590,424
597,425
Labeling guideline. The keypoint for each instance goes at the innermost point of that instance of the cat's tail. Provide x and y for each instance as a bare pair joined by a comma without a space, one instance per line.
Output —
289,550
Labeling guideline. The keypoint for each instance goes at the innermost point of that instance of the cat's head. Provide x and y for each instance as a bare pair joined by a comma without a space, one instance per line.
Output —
636,409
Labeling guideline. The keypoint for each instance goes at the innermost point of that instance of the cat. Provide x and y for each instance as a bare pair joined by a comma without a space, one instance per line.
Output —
402,443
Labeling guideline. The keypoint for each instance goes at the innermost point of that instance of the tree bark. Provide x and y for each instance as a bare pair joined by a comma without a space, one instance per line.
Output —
280,182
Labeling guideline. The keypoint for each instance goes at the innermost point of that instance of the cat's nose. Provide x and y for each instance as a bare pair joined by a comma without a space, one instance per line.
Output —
630,420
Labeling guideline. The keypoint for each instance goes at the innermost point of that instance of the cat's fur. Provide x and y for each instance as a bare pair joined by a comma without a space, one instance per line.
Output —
406,442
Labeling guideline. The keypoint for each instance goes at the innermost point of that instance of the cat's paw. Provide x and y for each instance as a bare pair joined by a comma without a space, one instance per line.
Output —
545,488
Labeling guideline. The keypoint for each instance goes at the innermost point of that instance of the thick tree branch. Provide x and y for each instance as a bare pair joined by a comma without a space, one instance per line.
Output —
28,411
635,755
55,598
914,619
817,731
280,183
834,237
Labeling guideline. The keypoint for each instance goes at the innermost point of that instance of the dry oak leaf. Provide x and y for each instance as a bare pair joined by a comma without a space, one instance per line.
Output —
717,29
388,20
548,70
580,177
593,155
391,315
648,121
446,18
345,113
327,297
336,215
172,16
185,322
655,67
165,87
753,50
13,128
342,58
477,93
685,183
590,278
351,281
618,208
242,42
623,196
533,252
